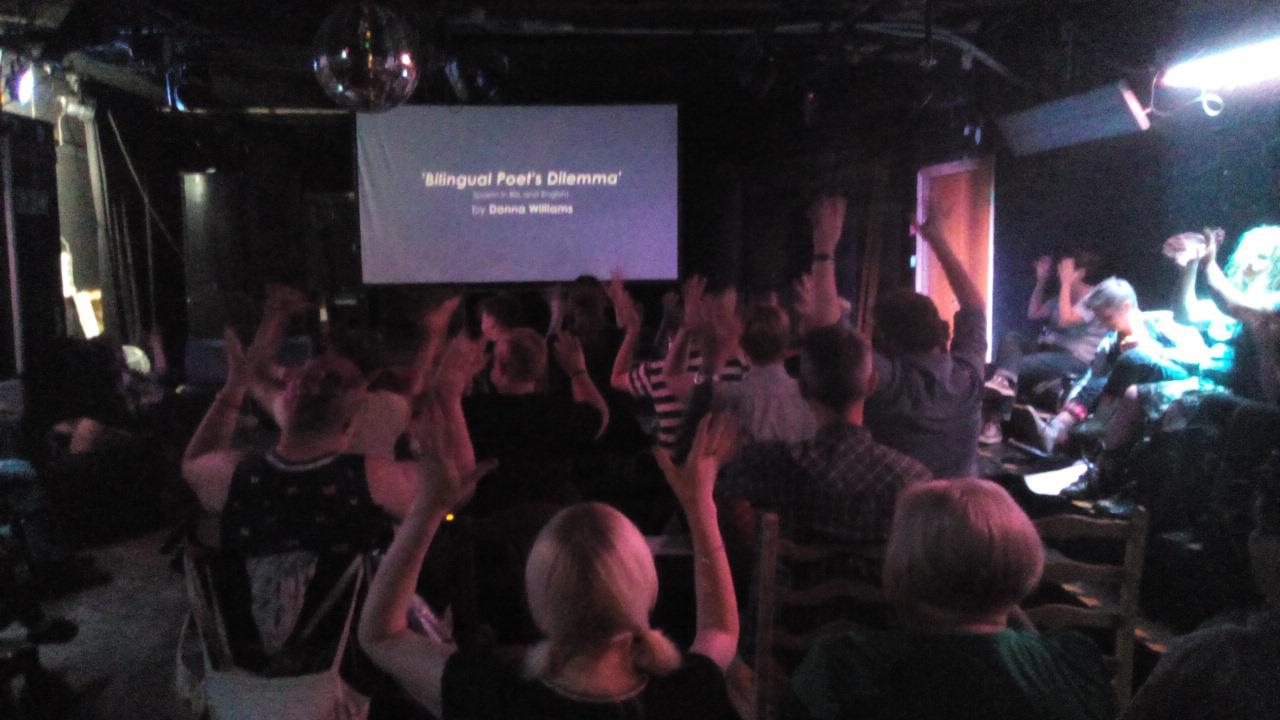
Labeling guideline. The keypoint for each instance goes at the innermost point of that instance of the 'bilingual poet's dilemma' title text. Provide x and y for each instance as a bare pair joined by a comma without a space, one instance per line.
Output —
531,178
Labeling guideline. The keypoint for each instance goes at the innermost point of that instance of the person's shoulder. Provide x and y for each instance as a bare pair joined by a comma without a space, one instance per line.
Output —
895,464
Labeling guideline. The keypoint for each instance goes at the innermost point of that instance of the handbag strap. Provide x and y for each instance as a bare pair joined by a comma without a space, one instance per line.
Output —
352,577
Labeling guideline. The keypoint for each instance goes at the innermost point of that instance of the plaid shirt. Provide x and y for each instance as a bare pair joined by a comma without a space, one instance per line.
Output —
841,485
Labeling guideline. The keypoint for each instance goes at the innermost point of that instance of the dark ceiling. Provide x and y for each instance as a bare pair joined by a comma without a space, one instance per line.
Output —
855,65
258,52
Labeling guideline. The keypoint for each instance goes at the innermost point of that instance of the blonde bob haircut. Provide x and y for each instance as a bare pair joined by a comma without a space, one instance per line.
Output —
590,579
960,550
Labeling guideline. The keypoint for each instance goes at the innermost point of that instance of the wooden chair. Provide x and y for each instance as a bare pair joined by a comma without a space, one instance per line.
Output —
1107,593
839,604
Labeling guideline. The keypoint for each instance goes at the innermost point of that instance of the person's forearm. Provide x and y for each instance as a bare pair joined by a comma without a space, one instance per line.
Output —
675,367
386,609
464,455
826,301
624,360
1185,301
218,427
585,391
717,607
1236,302
425,362
261,357
962,285
1036,309
1067,315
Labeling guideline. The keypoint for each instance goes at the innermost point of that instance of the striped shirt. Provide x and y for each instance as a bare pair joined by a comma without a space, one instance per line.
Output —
645,381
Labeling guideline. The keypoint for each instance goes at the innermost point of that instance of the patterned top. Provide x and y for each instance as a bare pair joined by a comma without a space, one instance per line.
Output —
322,506
841,485
645,381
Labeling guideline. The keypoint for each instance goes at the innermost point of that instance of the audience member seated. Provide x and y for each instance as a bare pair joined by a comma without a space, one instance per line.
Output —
1227,669
648,379
383,416
305,508
768,401
591,585
1245,317
839,485
1070,334
928,396
532,433
961,557
1140,348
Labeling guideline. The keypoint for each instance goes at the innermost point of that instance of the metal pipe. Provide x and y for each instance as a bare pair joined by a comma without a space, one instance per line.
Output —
11,248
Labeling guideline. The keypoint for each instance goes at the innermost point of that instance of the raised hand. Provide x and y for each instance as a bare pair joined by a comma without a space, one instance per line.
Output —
463,359
1043,266
445,486
626,314
1068,273
827,217
695,289
715,443
237,366
1213,240
931,229
435,320
568,353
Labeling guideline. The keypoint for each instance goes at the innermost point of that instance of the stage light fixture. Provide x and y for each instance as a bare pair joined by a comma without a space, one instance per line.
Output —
1109,111
1246,65
27,85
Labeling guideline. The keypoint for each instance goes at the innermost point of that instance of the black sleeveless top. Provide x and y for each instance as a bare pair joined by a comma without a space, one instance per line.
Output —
322,506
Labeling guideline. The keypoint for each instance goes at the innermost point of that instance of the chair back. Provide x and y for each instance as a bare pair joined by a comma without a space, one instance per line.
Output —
791,614
1108,593
216,686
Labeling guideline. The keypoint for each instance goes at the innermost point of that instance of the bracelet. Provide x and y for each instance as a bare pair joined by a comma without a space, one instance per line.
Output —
822,257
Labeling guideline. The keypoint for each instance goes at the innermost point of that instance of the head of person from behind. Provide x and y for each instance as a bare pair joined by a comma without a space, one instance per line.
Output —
519,362
961,555
499,315
908,323
835,370
765,330
591,585
322,399
1255,263
1115,304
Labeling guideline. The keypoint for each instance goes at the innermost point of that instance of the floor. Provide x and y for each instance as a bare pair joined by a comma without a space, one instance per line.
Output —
121,663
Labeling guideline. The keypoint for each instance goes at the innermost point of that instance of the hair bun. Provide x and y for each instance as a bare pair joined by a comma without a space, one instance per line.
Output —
654,653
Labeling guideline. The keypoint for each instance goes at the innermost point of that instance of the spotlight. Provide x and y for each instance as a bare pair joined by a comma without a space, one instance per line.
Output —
1247,65
20,79
27,85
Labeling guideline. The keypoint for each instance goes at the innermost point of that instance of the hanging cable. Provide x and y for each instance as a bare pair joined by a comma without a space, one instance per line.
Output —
146,198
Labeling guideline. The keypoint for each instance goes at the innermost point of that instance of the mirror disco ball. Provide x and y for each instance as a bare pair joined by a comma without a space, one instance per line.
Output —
365,57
